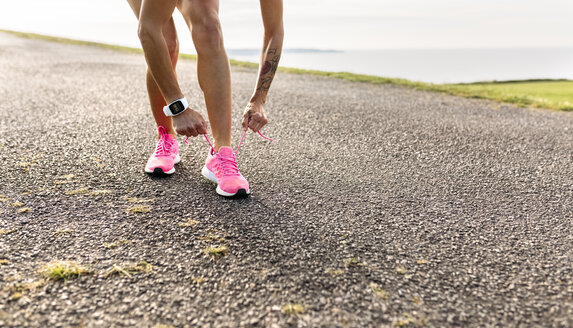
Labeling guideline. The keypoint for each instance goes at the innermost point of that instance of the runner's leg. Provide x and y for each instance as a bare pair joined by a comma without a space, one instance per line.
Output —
155,97
213,70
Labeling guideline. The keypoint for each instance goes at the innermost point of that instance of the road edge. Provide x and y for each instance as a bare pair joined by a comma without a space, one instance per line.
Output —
451,89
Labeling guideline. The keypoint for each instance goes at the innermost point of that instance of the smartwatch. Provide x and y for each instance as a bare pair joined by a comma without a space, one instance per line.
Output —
176,107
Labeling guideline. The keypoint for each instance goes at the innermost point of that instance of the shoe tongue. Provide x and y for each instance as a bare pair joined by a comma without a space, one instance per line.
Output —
163,133
225,151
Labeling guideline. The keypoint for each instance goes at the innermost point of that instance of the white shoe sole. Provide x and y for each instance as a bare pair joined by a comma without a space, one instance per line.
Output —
159,171
213,178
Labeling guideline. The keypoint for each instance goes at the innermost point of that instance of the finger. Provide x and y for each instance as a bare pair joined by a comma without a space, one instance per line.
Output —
253,125
258,122
205,126
253,120
246,119
259,126
201,129
193,132
263,122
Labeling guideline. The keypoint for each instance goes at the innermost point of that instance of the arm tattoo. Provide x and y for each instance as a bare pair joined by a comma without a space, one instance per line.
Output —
268,70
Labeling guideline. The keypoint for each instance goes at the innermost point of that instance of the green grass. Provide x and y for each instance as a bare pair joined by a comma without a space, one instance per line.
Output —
117,243
334,272
353,262
129,270
551,94
376,289
215,252
188,223
292,309
63,270
138,209
71,41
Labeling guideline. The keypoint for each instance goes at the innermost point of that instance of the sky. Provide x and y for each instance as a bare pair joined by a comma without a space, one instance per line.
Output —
323,24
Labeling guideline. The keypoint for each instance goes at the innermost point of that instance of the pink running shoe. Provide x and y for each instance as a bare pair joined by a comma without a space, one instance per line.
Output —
222,169
166,154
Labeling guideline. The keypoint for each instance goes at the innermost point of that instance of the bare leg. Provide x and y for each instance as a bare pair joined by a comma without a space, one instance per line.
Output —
155,97
214,72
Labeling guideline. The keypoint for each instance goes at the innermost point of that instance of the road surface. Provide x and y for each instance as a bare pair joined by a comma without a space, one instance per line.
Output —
380,205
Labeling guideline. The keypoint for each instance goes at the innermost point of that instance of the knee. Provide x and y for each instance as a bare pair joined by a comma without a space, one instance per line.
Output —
146,33
207,34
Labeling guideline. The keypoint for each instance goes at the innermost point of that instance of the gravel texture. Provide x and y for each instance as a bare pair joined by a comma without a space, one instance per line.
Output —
380,206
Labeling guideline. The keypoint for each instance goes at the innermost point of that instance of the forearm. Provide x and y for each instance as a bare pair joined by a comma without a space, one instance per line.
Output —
270,57
272,14
159,62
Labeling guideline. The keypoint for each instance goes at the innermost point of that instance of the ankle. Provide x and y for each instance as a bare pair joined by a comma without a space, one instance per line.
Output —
216,146
218,143
170,132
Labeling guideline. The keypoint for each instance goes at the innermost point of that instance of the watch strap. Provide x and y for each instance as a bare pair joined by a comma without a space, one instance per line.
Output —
176,107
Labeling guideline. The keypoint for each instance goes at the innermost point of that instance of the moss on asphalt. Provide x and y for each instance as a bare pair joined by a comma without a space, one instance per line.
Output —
63,270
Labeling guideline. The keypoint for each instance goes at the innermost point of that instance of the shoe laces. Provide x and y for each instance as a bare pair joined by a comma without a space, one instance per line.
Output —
228,164
240,142
164,145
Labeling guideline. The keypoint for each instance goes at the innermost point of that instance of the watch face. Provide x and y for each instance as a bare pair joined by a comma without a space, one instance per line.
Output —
176,107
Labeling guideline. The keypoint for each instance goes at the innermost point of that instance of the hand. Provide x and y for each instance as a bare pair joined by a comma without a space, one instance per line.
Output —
254,117
189,123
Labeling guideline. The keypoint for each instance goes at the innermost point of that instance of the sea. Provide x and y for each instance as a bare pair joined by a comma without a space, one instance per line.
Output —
424,65
433,65
113,22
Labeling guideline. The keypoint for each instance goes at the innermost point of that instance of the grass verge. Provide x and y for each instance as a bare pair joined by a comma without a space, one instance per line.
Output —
551,94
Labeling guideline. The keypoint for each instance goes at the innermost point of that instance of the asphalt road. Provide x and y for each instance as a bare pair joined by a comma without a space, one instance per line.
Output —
379,206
